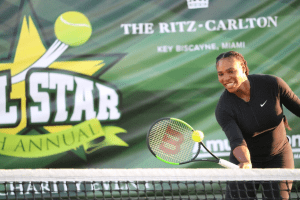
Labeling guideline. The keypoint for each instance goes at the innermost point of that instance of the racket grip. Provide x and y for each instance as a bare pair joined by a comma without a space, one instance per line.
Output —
227,164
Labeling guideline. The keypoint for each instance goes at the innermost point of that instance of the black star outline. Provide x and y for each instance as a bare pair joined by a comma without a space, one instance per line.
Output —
47,43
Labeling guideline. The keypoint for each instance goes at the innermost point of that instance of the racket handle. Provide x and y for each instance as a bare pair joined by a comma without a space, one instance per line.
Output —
227,164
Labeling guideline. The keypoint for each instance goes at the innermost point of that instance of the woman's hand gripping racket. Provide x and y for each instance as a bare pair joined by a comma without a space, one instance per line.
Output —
172,141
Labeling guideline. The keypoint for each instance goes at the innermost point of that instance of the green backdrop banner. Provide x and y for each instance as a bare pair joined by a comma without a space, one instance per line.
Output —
82,81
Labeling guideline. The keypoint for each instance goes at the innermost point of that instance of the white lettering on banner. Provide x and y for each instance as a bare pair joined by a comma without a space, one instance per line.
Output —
9,114
295,140
81,92
233,24
108,104
19,188
218,145
84,100
16,187
201,47
233,45
41,112
196,47
173,27
140,28
56,97
221,147
164,49
63,83
193,26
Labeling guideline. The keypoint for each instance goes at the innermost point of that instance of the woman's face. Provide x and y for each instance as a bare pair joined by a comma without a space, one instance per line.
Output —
231,73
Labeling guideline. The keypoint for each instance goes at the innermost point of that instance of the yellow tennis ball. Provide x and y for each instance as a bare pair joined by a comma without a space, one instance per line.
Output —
198,136
73,28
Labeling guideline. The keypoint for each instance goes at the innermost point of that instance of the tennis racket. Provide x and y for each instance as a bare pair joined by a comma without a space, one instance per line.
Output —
170,140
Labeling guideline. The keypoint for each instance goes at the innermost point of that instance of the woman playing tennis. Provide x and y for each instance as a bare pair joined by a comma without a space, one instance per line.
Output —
251,115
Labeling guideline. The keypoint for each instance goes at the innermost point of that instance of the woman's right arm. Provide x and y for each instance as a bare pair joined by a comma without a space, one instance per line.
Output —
234,134
242,154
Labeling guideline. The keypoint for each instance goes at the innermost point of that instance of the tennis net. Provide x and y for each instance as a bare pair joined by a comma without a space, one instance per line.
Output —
149,184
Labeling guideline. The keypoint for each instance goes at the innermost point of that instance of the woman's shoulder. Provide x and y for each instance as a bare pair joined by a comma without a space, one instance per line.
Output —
224,106
224,101
263,79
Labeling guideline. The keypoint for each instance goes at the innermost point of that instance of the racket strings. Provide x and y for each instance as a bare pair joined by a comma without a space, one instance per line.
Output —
172,141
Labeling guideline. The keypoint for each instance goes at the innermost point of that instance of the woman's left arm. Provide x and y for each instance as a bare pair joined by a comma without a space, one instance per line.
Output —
288,98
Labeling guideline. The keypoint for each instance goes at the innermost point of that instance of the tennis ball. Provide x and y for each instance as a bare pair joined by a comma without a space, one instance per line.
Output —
73,28
198,136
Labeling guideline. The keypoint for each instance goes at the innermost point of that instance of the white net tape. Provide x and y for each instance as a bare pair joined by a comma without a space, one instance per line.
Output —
158,174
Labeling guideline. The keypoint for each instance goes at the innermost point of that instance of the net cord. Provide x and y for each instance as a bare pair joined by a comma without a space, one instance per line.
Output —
153,174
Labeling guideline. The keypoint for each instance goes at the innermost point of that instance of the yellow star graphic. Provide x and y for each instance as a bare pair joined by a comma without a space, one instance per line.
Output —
29,49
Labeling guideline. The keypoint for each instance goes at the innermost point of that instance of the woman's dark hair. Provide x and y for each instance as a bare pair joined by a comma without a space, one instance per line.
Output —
237,56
